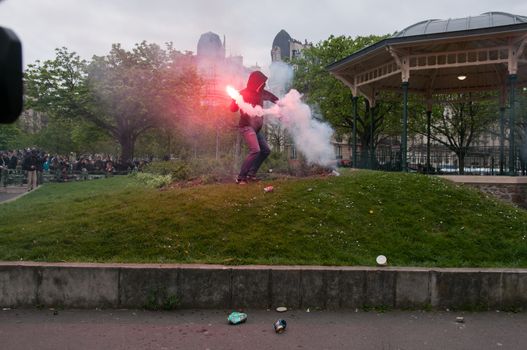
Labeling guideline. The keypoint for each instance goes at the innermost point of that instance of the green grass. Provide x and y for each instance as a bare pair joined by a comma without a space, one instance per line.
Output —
414,220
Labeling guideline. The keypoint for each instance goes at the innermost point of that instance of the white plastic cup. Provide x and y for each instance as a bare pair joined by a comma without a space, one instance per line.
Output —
381,260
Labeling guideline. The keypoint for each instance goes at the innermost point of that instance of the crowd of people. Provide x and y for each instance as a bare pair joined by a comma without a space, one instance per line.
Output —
34,164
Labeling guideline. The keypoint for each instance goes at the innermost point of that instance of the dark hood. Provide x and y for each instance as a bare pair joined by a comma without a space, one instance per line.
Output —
256,81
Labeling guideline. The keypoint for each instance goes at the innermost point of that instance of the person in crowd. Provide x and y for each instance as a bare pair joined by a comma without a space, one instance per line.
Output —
109,168
38,163
30,166
83,167
47,163
40,167
13,161
4,171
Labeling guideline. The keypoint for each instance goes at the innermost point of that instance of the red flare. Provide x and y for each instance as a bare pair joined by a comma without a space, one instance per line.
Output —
232,92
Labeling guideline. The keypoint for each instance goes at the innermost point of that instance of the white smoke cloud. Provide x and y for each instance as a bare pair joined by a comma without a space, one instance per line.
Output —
311,137
280,79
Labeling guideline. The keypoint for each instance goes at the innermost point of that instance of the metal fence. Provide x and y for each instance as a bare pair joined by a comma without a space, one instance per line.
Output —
19,178
478,160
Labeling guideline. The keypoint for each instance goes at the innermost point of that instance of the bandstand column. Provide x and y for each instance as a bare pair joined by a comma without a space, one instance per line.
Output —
502,140
404,136
372,145
512,122
428,136
355,102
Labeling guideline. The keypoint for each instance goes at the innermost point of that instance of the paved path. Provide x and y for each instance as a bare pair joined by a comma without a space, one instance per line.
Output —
11,193
208,329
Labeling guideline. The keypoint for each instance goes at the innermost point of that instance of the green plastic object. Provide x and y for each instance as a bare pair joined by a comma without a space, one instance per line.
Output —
237,318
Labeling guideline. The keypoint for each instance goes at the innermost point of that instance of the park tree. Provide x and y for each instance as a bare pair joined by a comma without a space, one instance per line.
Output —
9,134
459,121
334,99
57,87
55,91
124,93
139,90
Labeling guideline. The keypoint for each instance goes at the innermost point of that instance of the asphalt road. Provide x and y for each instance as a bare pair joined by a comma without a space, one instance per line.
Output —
196,329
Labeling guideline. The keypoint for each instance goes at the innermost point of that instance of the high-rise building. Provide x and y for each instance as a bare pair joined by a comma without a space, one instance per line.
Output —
285,47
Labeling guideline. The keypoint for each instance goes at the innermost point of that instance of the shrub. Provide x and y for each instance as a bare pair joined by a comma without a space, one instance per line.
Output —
152,180
177,170
211,167
278,161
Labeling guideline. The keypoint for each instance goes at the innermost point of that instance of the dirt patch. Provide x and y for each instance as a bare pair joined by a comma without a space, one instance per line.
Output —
207,180
199,181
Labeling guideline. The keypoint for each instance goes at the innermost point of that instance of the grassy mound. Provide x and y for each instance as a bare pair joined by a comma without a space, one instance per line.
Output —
413,219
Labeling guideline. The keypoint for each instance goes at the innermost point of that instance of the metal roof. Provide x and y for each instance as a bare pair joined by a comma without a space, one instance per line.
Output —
409,35
485,20
437,52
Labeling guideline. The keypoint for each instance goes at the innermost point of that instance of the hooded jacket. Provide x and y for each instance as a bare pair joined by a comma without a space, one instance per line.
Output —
255,94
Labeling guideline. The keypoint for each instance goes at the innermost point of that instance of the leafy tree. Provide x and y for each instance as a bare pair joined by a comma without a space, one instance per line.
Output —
459,121
88,138
57,87
334,99
9,134
125,93
140,90
58,91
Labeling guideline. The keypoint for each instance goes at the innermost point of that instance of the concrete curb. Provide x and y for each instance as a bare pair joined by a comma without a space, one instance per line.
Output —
27,284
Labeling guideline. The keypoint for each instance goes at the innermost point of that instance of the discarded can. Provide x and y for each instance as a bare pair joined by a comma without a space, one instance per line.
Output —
237,318
268,189
279,326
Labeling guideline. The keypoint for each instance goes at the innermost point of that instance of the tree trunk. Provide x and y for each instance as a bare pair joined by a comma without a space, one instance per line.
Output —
364,156
364,150
127,142
461,158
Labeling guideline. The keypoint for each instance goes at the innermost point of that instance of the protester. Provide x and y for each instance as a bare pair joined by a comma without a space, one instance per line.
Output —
250,126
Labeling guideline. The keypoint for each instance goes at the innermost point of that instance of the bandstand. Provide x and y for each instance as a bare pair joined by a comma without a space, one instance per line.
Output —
481,53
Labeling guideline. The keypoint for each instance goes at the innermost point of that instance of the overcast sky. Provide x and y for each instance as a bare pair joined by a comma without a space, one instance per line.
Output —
90,27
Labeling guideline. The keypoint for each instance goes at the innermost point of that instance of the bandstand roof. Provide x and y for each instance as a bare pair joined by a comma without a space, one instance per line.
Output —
432,54
485,20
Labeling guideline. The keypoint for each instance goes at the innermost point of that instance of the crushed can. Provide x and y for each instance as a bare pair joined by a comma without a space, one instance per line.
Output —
279,326
268,189
237,318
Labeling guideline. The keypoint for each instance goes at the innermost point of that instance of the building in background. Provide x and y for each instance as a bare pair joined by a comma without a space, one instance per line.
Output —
285,48
217,70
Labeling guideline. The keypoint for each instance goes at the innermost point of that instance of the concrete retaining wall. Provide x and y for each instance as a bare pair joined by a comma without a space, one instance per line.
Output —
214,286
512,193
512,189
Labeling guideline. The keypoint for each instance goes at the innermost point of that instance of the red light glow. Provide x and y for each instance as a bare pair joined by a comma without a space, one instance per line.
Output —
232,92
